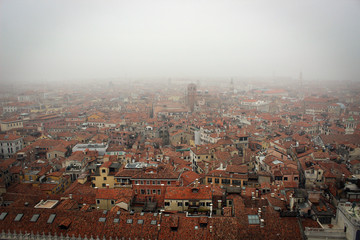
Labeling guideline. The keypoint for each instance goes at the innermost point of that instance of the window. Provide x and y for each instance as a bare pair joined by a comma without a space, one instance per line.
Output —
103,185
186,204
51,218
167,203
253,219
168,183
180,204
141,182
208,204
104,178
225,181
216,180
159,191
285,178
103,170
112,202
209,180
142,191
148,182
148,191
202,204
136,182
93,178
296,178
158,182
18,217
236,182
97,201
3,215
154,191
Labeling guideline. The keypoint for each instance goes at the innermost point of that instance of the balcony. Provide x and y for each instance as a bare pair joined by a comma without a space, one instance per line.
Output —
122,185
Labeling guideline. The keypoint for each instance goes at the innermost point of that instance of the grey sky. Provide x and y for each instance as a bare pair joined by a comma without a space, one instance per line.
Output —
71,39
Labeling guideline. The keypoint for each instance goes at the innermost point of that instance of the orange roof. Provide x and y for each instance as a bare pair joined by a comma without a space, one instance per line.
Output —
106,193
188,193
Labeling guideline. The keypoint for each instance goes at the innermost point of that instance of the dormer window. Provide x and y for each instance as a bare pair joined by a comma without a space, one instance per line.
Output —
195,190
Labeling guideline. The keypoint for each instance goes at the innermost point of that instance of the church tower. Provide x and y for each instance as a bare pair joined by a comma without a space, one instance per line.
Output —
191,96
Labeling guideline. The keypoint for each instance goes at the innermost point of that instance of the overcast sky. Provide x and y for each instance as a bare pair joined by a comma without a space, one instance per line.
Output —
74,39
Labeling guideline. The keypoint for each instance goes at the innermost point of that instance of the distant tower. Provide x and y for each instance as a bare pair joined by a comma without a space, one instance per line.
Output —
300,91
232,86
191,96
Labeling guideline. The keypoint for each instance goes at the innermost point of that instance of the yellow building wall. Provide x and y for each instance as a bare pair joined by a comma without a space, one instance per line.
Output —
11,125
174,205
105,204
222,184
99,180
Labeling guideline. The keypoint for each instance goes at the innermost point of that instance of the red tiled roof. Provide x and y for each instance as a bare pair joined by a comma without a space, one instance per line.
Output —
106,193
188,193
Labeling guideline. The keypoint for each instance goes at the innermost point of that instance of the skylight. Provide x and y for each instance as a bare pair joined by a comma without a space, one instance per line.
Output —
116,220
140,221
18,217
3,215
277,162
51,218
253,219
129,221
153,222
102,219
35,217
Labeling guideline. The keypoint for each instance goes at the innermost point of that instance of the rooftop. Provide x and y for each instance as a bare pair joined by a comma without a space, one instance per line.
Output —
46,204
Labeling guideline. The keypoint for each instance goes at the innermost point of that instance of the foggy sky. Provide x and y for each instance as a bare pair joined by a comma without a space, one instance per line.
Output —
73,39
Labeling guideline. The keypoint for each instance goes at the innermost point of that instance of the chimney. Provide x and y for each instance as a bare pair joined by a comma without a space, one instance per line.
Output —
70,196
107,186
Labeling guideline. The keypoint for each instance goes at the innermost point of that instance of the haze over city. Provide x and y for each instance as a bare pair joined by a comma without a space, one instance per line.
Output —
168,120
65,40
